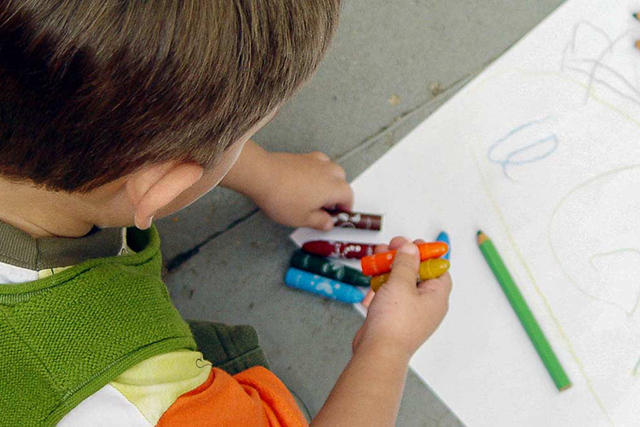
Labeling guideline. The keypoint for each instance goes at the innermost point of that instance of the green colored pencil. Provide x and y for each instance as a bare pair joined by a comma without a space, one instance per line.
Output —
523,312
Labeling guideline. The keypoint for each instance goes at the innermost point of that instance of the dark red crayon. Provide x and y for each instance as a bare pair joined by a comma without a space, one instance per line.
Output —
364,221
339,249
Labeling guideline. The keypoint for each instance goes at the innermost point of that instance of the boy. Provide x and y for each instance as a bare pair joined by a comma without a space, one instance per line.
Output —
113,113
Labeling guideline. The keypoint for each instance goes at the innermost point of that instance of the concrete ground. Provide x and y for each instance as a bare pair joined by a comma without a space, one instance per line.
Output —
391,65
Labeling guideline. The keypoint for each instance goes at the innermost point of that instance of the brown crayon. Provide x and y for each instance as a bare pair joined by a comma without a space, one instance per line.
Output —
363,221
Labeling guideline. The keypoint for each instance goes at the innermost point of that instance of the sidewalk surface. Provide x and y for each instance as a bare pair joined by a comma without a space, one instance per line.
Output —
390,66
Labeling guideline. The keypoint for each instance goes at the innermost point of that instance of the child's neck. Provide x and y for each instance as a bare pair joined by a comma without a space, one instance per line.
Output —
41,213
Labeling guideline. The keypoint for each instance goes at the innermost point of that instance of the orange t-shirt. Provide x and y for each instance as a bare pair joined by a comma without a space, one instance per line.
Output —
255,397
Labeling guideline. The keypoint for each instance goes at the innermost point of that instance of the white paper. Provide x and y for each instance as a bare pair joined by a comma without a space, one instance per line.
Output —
542,152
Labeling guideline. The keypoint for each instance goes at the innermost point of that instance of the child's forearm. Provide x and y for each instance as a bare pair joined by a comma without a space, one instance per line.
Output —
246,174
368,391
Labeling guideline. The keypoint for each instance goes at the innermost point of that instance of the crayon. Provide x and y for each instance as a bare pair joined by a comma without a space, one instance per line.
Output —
328,268
429,269
363,221
523,312
322,286
374,265
444,237
339,249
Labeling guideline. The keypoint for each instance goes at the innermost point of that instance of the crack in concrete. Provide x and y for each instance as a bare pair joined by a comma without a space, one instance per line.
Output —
404,116
175,262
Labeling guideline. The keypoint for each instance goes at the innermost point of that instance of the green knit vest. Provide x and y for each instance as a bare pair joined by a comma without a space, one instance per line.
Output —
64,337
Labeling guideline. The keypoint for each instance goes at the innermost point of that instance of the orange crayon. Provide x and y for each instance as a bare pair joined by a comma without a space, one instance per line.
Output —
374,265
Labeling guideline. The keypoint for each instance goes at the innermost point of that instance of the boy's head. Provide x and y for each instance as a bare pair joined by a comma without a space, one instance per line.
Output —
94,90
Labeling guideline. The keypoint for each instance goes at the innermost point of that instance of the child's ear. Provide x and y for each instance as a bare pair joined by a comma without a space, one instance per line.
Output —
155,186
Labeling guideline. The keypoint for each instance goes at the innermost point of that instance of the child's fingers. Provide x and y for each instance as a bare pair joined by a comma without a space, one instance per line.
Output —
319,155
320,220
337,171
345,208
397,242
366,302
340,194
441,286
381,248
331,168
405,266
435,294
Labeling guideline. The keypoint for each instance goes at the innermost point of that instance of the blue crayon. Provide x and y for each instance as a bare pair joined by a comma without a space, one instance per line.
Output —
320,285
444,237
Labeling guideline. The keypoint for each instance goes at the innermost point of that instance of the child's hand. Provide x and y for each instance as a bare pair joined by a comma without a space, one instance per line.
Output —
402,315
291,188
400,318
299,186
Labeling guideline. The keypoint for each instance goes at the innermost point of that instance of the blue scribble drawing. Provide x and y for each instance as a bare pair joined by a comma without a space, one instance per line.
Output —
528,153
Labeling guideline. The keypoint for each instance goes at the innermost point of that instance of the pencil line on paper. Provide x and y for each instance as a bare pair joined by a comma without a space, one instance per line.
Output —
635,298
554,251
539,291
608,86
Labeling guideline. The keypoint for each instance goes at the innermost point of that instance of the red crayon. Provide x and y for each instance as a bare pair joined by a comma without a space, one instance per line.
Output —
339,249
364,221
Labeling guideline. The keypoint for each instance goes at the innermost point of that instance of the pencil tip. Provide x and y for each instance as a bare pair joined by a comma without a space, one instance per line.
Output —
481,237
636,15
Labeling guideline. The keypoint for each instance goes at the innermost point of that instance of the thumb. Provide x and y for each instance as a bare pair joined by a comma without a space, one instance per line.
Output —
320,220
405,266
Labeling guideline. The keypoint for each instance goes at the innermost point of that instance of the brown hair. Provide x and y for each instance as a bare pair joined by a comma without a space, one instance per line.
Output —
91,90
